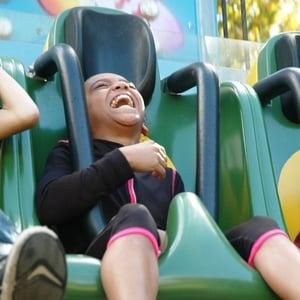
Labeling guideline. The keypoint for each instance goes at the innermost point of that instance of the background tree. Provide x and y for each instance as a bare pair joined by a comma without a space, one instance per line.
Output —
264,18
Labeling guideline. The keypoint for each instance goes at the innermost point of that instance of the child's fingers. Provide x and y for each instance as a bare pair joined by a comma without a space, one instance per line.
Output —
159,172
162,160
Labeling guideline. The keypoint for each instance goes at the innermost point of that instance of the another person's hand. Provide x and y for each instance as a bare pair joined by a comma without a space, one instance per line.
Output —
146,157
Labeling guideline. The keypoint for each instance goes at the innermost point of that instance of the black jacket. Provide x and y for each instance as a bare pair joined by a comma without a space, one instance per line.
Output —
64,196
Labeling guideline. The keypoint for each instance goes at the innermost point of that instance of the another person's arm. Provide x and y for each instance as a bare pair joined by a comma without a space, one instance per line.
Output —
18,110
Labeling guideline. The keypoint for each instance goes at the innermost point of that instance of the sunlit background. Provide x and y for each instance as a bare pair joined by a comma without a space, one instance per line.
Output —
265,18
184,31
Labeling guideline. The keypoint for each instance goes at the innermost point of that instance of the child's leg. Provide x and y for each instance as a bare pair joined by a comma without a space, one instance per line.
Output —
130,269
278,261
128,248
264,246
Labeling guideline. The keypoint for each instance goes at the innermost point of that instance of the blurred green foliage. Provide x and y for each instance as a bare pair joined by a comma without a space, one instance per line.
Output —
265,18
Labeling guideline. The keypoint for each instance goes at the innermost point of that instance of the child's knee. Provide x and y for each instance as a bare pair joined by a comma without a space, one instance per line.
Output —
135,219
247,237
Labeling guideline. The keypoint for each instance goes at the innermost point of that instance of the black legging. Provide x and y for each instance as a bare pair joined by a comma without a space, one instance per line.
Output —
244,236
131,218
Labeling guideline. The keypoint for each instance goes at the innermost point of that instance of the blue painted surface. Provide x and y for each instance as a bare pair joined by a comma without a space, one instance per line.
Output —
31,24
29,6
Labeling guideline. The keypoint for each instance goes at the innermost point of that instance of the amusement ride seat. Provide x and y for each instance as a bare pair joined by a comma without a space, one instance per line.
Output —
199,262
282,123
260,140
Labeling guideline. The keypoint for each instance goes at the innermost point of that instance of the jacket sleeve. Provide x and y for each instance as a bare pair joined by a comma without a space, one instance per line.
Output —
63,194
178,184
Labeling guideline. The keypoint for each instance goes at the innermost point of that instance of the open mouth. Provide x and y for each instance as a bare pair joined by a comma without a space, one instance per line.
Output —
121,100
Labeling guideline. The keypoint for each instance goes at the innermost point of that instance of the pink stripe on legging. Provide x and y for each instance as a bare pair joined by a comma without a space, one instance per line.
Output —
131,190
259,242
136,230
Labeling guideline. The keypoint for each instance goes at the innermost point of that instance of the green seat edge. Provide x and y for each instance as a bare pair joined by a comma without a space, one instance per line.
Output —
247,181
191,280
16,161
197,263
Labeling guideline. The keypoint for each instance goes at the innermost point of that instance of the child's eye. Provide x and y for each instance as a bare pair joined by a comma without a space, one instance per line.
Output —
101,85
131,85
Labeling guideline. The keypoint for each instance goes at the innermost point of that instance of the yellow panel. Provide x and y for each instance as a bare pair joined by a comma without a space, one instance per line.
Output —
289,193
252,75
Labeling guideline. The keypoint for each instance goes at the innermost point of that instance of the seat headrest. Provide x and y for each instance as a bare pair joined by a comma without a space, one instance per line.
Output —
287,49
287,54
113,42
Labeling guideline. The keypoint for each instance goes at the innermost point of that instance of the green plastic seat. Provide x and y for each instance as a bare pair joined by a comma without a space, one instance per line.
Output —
16,162
199,263
247,185
260,140
282,119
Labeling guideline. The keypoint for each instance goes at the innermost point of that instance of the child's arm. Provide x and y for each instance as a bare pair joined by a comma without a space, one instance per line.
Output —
85,187
19,111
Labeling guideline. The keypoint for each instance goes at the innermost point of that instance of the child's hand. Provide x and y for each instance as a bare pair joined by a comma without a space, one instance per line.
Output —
146,157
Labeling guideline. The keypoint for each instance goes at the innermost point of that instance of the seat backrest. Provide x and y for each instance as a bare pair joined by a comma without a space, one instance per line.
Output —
171,120
17,166
247,183
23,155
282,126
128,51
283,52
173,130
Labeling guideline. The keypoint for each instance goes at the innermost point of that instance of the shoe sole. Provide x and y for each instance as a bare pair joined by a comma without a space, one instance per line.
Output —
36,267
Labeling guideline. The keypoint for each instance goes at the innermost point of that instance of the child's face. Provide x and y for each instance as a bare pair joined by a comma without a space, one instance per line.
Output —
112,100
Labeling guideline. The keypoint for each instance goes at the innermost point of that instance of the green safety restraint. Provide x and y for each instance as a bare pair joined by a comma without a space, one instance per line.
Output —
199,263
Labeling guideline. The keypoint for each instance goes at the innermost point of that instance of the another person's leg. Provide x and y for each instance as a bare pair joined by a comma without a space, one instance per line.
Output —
33,267
268,249
129,266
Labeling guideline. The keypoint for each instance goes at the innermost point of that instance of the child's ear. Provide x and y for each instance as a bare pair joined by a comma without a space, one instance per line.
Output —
145,130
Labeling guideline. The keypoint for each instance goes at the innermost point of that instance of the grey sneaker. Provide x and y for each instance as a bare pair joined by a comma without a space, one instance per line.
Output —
35,268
